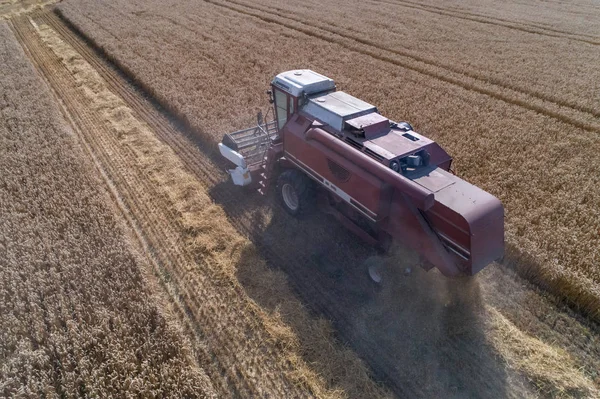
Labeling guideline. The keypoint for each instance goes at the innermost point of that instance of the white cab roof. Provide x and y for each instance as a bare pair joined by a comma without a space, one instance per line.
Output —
301,81
336,108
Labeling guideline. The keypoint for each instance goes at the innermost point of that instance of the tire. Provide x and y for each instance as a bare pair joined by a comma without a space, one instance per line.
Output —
296,192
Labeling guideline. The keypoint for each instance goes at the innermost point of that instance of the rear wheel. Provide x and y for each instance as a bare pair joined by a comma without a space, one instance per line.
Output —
296,192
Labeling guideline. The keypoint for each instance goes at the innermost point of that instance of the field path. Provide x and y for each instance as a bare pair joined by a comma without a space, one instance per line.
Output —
421,335
11,8
79,313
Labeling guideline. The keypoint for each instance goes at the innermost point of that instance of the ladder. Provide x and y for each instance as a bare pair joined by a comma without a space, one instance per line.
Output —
267,168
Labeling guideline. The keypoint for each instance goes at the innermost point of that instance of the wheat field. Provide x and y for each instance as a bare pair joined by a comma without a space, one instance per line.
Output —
135,268
520,122
245,350
77,315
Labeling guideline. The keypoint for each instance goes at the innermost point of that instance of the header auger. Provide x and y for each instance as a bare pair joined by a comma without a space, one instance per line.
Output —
379,178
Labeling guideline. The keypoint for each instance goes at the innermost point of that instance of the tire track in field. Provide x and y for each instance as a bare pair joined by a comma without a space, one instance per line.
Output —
203,162
584,117
570,4
489,20
161,237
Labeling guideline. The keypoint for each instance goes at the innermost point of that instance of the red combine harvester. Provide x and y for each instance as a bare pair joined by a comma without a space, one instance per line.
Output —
379,178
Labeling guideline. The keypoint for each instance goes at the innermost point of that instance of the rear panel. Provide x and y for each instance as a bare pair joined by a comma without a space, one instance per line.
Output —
469,221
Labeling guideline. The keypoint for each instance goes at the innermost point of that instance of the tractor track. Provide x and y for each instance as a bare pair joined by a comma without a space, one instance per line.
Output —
203,161
569,4
492,87
489,20
156,225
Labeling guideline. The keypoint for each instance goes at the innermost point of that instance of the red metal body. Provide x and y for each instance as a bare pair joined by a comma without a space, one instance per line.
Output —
454,225
384,181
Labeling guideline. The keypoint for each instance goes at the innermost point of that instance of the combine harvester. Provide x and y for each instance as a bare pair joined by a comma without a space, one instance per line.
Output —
379,178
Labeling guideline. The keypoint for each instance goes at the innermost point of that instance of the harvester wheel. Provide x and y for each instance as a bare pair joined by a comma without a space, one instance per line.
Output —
296,192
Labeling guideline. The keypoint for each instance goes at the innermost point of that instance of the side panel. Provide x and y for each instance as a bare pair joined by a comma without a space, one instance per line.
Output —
363,191
454,231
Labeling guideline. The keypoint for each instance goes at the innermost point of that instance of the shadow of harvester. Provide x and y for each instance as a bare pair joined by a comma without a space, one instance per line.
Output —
420,334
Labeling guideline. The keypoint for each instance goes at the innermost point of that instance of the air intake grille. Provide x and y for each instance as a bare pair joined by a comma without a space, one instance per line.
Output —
338,171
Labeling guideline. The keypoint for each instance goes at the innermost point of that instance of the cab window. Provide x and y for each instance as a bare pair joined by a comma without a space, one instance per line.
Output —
281,107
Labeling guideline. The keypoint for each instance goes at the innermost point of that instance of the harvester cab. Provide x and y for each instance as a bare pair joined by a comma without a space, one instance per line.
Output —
379,178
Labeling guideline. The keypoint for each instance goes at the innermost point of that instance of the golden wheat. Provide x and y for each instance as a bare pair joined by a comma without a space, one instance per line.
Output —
76,317
173,52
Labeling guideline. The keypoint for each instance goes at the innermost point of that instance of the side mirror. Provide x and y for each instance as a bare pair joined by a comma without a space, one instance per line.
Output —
270,94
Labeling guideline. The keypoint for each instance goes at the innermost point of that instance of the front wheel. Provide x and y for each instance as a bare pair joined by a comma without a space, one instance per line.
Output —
296,192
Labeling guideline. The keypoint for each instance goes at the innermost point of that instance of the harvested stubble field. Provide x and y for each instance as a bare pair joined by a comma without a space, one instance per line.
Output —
11,8
238,321
77,315
515,102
